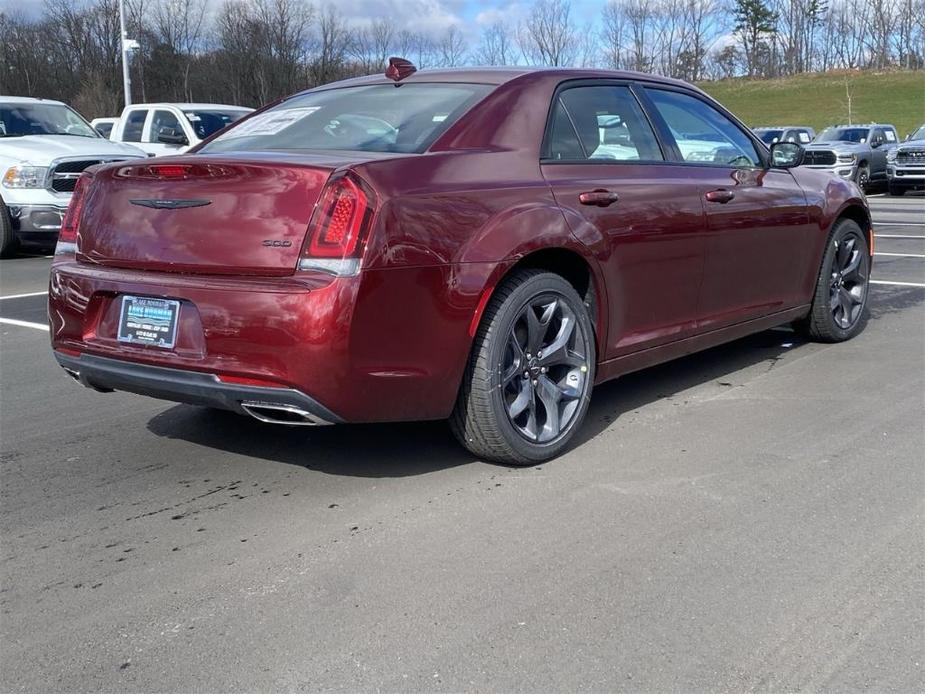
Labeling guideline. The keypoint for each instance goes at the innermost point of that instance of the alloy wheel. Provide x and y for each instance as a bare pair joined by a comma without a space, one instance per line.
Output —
848,282
544,370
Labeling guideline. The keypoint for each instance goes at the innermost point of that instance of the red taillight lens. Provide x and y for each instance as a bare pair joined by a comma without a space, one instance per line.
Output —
70,224
338,227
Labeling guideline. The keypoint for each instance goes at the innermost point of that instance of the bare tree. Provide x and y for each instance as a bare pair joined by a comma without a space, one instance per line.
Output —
451,48
496,46
549,36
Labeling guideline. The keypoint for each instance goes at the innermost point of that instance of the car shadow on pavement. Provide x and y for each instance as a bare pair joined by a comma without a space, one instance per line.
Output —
415,448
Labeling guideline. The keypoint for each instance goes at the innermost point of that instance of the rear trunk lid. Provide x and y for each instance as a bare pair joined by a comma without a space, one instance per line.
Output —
203,214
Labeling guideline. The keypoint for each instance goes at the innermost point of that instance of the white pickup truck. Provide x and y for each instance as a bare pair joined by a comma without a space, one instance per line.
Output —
161,129
44,146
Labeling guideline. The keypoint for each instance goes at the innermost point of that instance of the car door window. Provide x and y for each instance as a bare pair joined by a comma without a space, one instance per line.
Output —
803,137
703,134
164,119
600,123
134,125
890,135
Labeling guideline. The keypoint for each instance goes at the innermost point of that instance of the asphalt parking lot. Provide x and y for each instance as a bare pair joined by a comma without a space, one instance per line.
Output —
746,519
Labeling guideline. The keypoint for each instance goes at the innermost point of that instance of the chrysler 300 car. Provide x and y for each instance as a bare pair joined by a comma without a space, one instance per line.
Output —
479,245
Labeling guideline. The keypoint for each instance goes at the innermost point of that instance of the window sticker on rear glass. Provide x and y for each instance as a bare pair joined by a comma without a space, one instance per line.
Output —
268,123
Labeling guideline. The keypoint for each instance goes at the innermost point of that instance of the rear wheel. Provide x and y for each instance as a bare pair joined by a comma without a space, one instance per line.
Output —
527,386
7,240
840,301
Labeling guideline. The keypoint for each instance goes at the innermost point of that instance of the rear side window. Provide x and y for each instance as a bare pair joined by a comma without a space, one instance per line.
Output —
134,125
374,118
703,134
600,123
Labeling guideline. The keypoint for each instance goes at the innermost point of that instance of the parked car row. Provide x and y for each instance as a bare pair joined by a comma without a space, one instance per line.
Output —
46,145
869,154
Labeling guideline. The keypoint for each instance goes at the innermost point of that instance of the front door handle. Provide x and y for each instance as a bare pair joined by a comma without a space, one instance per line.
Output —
721,196
599,197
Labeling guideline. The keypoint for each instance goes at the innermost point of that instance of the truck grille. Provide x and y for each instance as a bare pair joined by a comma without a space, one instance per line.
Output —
911,156
65,174
819,158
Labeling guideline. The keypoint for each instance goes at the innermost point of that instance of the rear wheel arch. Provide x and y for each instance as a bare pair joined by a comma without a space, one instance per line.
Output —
577,269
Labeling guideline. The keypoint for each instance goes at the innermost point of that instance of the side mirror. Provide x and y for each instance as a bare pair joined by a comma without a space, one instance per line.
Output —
786,155
170,136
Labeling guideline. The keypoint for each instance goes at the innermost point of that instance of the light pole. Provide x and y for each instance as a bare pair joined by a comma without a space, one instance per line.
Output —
126,45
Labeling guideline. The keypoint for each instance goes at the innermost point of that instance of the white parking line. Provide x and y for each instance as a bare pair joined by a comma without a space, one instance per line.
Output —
24,324
884,223
898,284
896,236
902,255
22,296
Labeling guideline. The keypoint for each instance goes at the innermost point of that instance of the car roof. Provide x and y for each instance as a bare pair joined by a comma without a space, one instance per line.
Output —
862,125
783,127
498,76
191,106
28,100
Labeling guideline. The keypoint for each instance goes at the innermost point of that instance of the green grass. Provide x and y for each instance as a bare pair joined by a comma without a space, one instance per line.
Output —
819,100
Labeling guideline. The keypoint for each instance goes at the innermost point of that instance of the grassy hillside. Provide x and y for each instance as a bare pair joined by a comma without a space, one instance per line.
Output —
820,100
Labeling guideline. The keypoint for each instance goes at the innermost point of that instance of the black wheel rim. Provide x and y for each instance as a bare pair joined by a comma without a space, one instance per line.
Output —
544,371
848,281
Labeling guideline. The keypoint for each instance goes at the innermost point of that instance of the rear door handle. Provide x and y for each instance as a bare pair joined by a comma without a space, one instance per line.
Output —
720,196
599,197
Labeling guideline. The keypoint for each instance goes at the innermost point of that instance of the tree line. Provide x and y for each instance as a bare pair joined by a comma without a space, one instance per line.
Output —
250,52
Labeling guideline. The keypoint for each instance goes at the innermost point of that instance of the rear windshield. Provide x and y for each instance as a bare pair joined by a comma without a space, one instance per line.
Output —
374,118
769,137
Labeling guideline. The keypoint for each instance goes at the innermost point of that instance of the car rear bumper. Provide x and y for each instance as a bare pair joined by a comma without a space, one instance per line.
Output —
385,345
195,388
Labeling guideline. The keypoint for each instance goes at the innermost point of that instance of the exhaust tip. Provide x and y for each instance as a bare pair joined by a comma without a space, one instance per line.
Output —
272,413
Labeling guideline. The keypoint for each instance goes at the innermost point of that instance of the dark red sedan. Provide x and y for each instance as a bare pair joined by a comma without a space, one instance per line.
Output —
479,245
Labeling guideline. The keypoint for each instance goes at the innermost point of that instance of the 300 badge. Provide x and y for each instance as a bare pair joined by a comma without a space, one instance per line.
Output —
276,243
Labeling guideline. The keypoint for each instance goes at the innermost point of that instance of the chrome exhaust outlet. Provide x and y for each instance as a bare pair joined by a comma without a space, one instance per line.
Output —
273,413
73,374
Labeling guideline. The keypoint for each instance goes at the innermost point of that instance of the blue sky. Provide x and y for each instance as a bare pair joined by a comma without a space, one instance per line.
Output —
429,16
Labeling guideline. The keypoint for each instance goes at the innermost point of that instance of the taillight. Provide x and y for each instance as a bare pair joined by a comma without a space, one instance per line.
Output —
339,226
70,224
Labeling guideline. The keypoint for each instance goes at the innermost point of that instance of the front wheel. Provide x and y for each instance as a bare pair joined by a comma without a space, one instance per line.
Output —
863,177
840,300
7,241
897,191
528,382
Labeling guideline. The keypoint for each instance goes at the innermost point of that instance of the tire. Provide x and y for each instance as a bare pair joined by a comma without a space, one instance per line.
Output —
839,305
501,412
862,177
7,240
897,191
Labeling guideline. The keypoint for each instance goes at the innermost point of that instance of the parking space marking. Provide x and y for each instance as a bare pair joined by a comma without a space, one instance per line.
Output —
22,296
902,255
898,284
23,324
897,236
